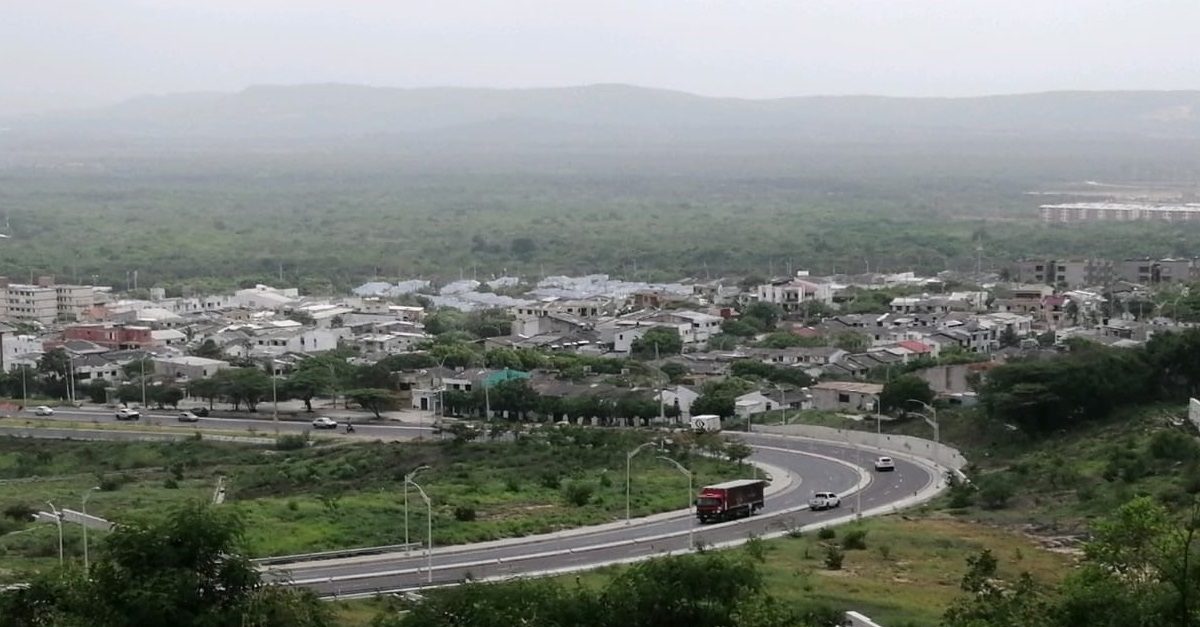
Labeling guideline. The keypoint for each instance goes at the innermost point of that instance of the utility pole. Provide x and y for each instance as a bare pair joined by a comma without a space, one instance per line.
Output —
687,473
143,360
628,464
58,519
407,480
83,510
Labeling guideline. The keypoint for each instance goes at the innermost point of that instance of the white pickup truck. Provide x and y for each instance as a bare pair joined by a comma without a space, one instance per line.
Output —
824,500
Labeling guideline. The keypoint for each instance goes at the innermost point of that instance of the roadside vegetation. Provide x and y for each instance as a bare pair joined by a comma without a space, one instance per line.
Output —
297,498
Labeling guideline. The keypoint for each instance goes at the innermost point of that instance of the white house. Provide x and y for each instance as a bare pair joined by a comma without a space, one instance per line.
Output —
265,297
793,294
391,342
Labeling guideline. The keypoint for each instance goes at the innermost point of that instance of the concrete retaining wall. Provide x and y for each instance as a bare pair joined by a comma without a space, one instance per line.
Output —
940,454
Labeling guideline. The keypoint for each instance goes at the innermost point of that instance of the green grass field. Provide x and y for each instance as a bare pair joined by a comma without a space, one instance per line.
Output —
329,497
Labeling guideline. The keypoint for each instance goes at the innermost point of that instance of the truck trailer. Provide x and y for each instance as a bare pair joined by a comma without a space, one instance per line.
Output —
729,500
707,423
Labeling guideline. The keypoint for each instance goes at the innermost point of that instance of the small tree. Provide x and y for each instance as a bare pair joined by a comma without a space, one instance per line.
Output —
898,393
657,341
375,400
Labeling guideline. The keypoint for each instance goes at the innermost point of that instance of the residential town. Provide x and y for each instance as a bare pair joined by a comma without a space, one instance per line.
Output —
822,342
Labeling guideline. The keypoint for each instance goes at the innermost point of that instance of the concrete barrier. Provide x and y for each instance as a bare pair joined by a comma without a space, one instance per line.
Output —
854,619
939,454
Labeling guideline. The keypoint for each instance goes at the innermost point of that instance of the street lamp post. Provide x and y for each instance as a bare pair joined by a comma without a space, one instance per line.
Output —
931,420
143,360
274,397
83,509
628,463
428,532
692,522
407,480
58,520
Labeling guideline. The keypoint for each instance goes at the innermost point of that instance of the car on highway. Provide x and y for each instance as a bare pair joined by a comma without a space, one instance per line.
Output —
188,416
128,414
42,410
884,464
824,500
200,411
324,422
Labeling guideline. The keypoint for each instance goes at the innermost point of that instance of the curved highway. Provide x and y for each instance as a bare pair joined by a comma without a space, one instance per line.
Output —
819,466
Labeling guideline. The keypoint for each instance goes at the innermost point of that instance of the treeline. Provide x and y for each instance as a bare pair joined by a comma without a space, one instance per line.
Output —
1090,381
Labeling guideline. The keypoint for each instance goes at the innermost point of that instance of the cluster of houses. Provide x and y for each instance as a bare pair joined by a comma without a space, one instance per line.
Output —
191,337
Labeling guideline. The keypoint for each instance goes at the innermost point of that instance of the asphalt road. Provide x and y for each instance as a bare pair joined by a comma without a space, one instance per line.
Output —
821,466
262,426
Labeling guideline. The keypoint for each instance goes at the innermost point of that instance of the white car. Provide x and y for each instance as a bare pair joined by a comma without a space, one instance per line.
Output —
188,416
884,464
324,422
42,410
128,414
824,500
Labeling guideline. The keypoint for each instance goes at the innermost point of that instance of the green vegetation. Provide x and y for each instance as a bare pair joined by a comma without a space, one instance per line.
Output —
298,499
210,218
182,569
701,590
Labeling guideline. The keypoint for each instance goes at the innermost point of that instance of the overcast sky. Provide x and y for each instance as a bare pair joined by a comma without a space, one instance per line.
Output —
69,53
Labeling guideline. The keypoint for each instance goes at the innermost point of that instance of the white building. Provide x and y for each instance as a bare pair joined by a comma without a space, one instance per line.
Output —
793,294
265,297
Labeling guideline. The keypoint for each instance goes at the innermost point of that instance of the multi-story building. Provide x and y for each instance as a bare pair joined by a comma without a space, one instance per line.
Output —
1156,271
1119,212
45,302
793,295
29,303
1069,273
116,337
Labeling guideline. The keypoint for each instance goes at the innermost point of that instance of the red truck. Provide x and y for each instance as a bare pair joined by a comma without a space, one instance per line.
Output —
731,499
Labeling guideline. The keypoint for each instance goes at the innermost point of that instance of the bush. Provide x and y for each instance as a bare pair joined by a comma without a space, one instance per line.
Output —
512,485
170,483
291,442
827,533
551,481
109,483
19,512
995,492
464,513
1174,446
834,557
578,493
855,540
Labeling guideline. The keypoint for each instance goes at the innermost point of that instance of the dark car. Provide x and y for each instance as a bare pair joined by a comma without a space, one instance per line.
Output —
200,411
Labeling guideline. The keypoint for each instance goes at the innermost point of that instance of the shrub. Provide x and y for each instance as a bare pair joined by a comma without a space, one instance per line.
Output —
19,512
605,481
291,442
578,493
551,481
1173,446
885,552
109,483
827,533
855,540
834,557
464,513
512,485
170,483
995,492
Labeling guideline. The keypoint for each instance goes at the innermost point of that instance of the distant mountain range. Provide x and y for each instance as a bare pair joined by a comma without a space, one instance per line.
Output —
619,112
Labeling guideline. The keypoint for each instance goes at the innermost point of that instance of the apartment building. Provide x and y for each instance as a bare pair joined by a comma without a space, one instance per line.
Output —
44,301
1119,212
1070,273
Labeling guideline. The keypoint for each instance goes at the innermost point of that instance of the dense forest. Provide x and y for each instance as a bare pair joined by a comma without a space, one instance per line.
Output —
330,212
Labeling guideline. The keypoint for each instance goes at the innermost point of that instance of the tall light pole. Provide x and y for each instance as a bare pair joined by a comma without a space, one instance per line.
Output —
70,378
83,509
931,420
628,463
58,521
274,396
143,360
407,480
428,532
24,390
691,518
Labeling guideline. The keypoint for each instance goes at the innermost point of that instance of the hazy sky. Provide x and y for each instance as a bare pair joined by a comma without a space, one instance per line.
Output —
64,53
